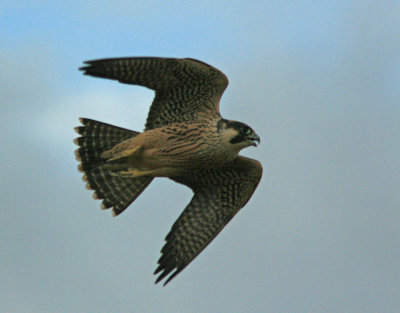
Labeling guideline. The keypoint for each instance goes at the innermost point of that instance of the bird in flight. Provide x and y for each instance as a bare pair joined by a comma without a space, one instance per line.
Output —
185,139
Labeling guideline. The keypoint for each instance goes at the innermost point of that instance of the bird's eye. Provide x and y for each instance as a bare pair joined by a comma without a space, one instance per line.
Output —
245,130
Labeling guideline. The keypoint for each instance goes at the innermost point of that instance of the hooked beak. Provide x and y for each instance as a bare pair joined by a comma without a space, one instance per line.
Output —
253,139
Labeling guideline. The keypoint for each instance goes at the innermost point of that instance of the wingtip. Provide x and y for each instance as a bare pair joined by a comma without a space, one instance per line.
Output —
172,272
163,275
160,278
84,68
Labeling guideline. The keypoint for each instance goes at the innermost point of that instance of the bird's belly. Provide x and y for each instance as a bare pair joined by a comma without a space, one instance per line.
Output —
171,164
190,160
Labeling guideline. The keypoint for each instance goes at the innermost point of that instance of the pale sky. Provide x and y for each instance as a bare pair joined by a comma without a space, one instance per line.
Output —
318,81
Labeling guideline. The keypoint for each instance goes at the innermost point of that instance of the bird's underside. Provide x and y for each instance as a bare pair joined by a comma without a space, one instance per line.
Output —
185,139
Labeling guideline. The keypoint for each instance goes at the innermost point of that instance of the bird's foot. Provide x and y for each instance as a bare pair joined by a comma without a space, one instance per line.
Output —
133,173
125,154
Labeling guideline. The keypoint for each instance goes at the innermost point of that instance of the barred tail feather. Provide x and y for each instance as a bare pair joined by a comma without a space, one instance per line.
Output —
117,192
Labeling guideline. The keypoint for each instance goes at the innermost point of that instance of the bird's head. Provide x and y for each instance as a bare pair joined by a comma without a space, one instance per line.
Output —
238,135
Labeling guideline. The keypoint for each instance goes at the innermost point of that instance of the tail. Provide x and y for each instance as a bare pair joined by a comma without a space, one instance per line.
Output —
117,192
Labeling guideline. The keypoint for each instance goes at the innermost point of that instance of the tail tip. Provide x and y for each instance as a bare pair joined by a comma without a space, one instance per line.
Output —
78,158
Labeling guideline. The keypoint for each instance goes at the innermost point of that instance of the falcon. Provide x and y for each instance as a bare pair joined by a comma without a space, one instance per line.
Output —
185,139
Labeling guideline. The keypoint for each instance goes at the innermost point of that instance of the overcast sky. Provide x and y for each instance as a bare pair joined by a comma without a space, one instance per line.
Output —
318,82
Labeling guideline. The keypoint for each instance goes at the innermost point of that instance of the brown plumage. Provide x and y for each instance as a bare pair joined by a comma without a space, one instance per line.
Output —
185,139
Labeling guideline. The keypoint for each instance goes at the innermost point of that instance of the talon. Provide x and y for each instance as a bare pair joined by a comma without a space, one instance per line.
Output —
124,154
117,174
132,173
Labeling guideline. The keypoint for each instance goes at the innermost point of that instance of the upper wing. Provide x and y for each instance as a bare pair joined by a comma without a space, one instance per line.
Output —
186,89
218,195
